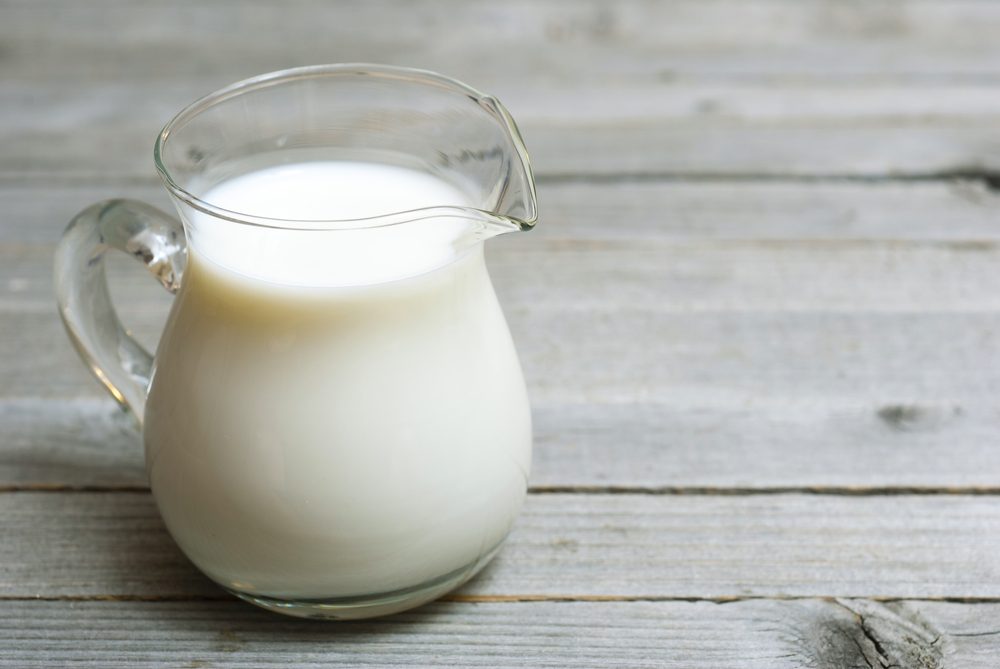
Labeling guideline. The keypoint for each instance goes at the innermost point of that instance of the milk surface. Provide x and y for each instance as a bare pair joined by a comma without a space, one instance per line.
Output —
347,197
319,430
332,191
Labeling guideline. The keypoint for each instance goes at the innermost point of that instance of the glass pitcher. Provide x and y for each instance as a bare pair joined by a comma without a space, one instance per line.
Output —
335,421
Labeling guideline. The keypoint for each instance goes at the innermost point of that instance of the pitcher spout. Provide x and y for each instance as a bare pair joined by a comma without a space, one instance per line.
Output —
513,199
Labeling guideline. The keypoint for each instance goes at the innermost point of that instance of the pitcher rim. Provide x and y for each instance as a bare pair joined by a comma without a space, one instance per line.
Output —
381,220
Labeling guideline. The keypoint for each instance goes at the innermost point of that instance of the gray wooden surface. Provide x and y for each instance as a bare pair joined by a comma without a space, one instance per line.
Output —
760,321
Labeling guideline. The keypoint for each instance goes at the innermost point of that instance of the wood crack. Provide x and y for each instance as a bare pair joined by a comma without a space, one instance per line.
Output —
863,653
882,655
894,635
975,634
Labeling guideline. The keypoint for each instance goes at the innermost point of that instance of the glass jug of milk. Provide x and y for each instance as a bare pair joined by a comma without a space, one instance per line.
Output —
335,420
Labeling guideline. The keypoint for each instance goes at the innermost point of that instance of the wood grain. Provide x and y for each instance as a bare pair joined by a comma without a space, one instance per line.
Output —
766,359
788,398
764,271
635,88
35,213
60,544
769,87
849,413
678,247
824,634
861,449
549,41
680,277
105,131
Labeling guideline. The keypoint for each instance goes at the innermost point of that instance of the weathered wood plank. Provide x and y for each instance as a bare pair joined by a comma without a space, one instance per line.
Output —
540,41
683,277
639,546
761,634
894,146
681,247
745,363
934,446
104,131
85,443
78,443
877,431
37,212
642,356
79,104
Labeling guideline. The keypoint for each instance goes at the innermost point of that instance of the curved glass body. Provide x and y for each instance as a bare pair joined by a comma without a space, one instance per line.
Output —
335,420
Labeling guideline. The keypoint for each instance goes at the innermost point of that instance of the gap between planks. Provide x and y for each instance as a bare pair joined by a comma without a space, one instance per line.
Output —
666,491
514,599
989,178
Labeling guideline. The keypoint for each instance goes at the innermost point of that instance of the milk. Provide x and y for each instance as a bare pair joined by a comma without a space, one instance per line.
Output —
317,196
336,414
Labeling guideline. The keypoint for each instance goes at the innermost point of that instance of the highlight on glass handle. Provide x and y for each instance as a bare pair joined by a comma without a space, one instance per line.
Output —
156,240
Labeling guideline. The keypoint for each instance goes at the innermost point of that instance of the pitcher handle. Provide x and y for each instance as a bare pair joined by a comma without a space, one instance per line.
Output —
156,239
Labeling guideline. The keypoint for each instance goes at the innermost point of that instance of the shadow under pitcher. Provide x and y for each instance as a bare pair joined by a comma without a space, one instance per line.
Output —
335,421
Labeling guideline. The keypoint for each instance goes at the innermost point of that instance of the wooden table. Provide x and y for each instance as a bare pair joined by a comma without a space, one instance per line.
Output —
760,320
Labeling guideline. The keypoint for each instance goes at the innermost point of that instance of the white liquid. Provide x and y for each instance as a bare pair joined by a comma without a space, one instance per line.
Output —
335,433
332,190
299,194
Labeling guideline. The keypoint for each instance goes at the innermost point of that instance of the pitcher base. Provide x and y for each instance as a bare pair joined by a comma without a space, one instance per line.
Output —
369,606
